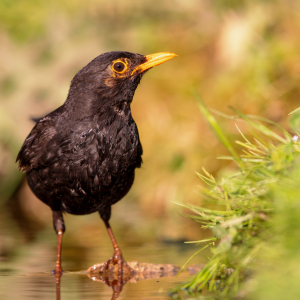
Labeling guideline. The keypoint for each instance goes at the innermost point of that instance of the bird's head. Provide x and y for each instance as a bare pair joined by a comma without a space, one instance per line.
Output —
112,77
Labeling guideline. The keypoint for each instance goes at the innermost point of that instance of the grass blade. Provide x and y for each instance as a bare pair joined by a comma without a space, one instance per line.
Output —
217,130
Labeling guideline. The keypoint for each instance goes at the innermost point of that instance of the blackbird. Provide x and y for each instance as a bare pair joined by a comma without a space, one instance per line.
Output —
81,158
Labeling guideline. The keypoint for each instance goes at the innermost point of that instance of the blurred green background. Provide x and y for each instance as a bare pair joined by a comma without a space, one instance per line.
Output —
239,53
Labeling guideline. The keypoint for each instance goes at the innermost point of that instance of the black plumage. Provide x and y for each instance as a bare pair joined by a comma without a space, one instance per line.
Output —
81,157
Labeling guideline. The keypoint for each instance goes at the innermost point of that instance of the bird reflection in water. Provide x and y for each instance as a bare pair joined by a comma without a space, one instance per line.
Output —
116,280
116,283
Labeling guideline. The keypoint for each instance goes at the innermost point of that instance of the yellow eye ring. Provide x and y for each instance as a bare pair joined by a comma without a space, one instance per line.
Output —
119,67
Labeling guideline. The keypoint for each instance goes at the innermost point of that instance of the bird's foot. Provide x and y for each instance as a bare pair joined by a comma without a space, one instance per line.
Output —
117,259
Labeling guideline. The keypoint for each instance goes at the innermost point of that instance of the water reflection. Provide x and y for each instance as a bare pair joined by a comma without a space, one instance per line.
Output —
26,272
116,281
77,285
57,277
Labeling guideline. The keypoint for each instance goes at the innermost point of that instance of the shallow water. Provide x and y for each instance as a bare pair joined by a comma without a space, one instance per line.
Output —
28,254
79,286
29,275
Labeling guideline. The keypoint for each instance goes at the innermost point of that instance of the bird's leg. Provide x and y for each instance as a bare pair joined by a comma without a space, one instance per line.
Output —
58,269
59,226
117,257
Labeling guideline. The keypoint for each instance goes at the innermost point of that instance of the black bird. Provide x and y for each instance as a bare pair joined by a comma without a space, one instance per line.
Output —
81,157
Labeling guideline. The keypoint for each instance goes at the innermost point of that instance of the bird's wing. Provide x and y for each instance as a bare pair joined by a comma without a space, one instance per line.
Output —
35,144
35,150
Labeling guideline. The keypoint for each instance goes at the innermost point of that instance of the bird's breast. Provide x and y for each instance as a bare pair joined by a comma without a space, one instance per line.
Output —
92,165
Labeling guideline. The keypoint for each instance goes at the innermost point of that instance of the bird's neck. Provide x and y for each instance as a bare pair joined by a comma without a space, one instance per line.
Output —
87,105
85,98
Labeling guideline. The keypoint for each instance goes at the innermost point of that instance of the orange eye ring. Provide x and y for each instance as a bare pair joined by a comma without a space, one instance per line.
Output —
119,67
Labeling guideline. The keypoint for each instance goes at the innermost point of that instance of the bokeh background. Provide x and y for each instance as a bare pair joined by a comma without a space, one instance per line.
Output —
233,53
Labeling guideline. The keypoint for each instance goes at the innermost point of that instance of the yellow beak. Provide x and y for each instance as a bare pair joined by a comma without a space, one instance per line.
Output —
153,60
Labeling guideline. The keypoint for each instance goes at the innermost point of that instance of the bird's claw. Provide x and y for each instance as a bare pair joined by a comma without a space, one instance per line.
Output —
117,259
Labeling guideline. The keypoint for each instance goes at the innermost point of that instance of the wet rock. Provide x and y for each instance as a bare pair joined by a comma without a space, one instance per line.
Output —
142,271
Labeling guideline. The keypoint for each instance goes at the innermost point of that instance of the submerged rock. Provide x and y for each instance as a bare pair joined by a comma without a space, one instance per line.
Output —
141,271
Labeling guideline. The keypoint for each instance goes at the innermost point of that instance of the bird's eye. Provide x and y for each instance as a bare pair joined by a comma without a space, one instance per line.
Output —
119,66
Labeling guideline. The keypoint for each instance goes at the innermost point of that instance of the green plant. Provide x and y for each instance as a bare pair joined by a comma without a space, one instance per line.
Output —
245,205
